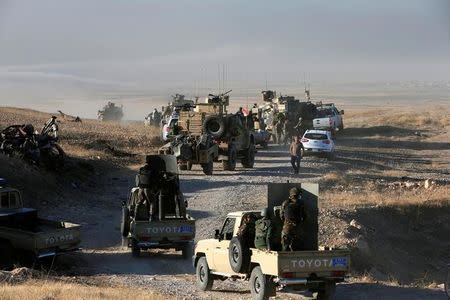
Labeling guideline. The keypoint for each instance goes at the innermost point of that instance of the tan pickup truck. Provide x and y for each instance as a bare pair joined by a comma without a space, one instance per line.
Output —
22,233
313,270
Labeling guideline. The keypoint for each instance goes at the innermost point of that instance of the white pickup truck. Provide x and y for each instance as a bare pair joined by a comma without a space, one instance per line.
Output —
226,257
329,118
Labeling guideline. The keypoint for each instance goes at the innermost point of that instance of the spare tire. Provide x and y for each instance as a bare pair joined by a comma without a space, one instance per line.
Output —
214,126
125,224
238,255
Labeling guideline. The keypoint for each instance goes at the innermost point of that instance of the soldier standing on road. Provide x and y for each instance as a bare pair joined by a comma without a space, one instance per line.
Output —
264,232
280,127
293,215
296,150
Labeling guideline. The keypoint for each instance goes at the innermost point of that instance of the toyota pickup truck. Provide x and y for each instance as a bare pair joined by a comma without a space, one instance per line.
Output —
22,233
328,118
225,257
163,223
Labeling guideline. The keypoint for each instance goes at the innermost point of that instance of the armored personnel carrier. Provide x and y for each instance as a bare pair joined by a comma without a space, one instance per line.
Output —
110,112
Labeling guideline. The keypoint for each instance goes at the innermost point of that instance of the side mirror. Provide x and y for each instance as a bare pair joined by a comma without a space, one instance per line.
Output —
342,112
217,234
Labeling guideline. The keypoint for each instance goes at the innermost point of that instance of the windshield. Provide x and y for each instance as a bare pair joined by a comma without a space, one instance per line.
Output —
316,136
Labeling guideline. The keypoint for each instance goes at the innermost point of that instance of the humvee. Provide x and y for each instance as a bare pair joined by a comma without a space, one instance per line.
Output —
163,222
23,234
315,269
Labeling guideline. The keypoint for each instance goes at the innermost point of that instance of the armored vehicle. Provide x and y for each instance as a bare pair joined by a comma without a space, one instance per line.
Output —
110,112
229,256
154,216
23,234
232,133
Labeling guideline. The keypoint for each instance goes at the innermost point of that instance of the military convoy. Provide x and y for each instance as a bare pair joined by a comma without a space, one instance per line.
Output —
154,216
24,235
110,112
209,133
230,256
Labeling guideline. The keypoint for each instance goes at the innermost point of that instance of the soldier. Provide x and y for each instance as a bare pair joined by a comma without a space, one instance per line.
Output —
263,231
142,208
295,151
279,128
300,127
293,215
277,227
247,230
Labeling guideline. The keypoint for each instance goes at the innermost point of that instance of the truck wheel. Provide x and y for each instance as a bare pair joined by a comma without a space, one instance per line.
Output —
135,249
204,277
326,292
261,285
249,160
125,224
208,168
230,164
238,255
186,251
214,126
7,257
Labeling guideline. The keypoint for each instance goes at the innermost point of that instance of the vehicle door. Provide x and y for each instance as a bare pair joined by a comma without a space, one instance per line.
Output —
220,251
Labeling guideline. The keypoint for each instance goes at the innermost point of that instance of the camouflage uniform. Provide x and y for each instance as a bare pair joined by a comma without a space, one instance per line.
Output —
263,234
292,214
247,230
277,227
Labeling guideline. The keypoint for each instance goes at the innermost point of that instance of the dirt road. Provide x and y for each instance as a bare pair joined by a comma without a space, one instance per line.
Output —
210,198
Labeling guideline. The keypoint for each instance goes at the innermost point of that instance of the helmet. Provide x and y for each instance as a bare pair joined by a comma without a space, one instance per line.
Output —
265,212
294,192
29,129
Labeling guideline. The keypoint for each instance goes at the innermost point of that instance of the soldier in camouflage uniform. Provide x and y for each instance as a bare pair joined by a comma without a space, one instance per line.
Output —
264,232
277,227
247,230
292,214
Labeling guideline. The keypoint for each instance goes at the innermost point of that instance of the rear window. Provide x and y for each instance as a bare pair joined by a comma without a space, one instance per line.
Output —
4,200
323,113
316,136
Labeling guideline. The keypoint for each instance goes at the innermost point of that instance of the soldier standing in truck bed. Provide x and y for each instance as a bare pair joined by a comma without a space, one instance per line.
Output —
264,231
247,230
293,215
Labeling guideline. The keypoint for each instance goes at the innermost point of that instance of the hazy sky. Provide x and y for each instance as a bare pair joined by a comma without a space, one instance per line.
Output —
66,50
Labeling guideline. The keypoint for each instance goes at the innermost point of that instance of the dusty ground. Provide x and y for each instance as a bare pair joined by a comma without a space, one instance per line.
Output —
400,242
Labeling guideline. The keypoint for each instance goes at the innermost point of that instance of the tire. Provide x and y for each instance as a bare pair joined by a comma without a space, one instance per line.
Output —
186,251
327,291
135,249
125,224
7,256
249,160
238,255
208,168
203,275
261,286
230,164
214,126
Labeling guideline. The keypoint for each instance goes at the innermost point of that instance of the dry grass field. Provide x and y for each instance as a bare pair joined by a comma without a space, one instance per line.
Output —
58,290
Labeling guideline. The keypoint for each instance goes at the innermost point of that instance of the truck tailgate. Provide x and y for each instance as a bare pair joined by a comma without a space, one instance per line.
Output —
57,236
172,230
328,263
322,123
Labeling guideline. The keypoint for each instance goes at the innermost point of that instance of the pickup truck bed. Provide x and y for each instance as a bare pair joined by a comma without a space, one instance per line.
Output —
46,239
288,266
